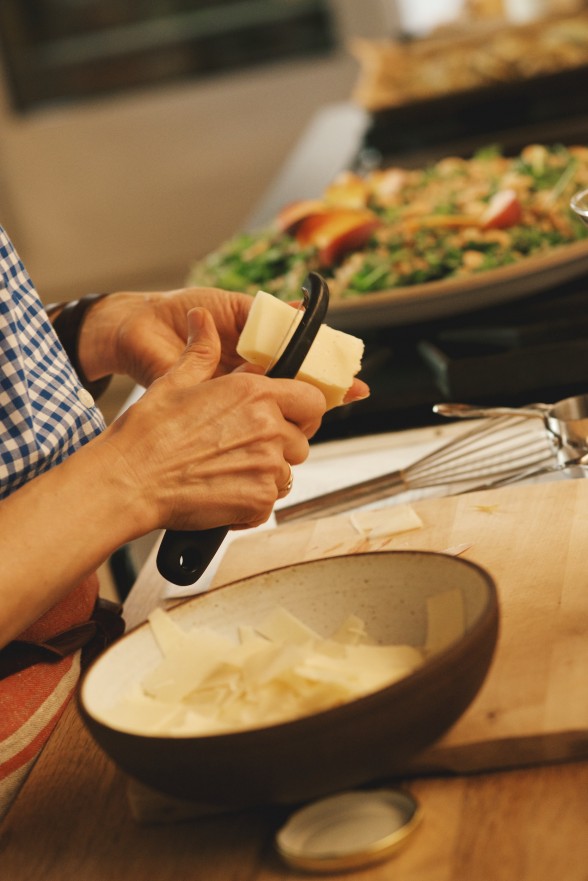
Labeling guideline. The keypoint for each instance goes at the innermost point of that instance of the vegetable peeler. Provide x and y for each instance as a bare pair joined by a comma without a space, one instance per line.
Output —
184,556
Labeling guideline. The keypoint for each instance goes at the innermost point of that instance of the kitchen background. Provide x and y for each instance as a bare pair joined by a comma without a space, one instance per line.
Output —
136,137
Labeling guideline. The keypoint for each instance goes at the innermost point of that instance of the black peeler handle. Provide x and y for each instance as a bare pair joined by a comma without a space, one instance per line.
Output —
183,557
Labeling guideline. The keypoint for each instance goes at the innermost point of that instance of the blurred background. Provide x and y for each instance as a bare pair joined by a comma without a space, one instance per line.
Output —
136,137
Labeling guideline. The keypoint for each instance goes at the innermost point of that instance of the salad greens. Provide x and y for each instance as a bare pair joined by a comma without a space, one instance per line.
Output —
433,225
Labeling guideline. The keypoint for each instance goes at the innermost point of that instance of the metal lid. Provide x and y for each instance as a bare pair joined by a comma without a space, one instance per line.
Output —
348,830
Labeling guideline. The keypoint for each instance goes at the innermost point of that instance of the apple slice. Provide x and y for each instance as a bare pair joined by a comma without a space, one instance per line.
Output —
292,214
337,232
504,210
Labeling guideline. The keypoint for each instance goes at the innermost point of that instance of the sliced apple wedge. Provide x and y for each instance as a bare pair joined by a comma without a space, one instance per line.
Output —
292,215
337,232
504,210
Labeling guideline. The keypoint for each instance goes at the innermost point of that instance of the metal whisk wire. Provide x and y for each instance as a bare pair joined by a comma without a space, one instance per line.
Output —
491,448
497,449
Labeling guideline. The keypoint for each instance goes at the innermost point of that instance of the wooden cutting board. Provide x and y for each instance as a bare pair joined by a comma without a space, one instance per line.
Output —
533,540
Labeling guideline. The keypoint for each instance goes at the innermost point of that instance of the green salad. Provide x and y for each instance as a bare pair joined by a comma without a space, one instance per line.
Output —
397,227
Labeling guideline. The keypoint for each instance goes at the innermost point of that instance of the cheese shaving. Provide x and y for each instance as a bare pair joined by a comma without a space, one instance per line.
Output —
385,522
282,669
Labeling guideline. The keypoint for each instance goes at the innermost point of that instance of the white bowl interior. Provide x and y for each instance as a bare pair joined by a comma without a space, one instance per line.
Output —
388,591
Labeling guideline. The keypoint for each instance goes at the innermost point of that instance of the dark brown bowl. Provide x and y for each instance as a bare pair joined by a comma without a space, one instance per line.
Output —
364,740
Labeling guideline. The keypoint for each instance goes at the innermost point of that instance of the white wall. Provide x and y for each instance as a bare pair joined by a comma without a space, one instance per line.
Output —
127,192
419,17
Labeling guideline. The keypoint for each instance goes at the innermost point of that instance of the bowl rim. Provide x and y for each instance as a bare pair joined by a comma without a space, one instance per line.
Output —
576,201
489,616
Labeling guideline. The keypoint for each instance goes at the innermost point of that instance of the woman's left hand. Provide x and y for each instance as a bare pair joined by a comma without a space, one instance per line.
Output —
142,335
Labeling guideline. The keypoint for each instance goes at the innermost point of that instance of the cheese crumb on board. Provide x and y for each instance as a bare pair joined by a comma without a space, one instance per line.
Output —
279,670
331,363
385,521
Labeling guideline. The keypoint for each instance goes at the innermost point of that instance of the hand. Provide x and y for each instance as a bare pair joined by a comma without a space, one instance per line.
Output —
358,391
142,335
200,450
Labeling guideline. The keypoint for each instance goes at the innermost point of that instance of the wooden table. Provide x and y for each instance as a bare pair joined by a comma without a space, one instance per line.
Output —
72,821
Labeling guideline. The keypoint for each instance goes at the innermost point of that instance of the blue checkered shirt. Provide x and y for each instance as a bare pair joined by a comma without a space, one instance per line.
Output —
43,416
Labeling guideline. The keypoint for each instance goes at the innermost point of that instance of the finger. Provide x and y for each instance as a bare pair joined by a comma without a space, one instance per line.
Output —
301,403
203,350
286,483
249,368
158,355
295,450
358,391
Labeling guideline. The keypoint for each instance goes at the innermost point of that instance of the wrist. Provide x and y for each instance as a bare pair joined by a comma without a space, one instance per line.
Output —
68,320
119,487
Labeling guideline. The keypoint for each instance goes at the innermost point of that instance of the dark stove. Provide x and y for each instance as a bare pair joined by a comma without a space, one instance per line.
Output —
515,354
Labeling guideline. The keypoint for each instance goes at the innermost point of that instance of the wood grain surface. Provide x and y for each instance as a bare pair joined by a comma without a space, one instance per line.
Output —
73,819
73,822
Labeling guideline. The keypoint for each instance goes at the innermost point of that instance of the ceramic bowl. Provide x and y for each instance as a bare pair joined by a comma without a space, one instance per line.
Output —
366,739
579,205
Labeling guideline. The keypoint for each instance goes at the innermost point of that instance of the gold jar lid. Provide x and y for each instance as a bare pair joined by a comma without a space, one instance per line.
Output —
348,830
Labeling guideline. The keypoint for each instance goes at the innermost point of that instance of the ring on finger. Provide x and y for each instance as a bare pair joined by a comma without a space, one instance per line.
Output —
284,490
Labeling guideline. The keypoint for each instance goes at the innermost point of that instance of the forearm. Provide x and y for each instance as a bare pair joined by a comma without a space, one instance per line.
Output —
60,527
196,451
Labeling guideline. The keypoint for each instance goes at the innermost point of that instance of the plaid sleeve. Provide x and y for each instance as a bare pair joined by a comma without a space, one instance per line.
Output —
45,414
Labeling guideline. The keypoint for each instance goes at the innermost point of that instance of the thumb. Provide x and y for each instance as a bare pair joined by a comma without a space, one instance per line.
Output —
203,349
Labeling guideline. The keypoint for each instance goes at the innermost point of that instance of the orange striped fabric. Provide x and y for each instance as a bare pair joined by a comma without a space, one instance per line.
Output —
32,700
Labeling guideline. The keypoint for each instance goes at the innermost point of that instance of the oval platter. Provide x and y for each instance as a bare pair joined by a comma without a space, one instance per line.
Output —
441,299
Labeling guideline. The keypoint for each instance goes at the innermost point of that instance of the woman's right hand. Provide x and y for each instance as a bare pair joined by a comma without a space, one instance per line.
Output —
196,451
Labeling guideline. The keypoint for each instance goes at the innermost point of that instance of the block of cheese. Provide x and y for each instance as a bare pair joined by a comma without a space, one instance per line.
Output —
332,362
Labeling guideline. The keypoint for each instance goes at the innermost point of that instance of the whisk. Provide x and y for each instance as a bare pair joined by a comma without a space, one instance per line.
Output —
497,450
